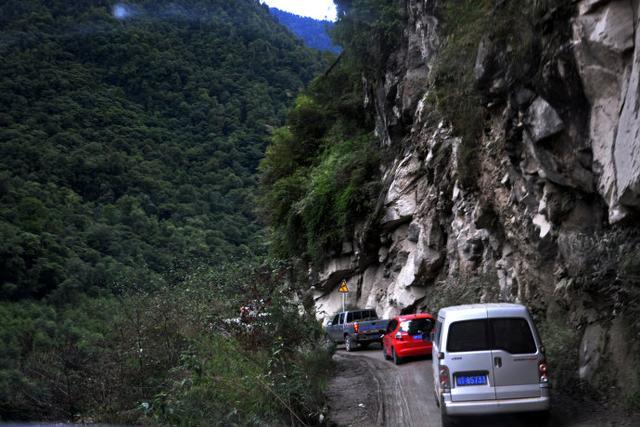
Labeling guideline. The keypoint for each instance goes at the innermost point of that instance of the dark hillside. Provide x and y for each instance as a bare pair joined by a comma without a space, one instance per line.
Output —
130,135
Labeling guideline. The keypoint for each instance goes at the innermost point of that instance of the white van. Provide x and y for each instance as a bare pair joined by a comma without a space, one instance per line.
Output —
488,359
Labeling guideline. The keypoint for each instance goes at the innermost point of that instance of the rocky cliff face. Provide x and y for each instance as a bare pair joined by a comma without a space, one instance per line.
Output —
552,218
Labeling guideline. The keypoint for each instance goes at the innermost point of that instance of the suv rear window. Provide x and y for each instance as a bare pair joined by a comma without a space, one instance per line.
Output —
369,315
353,316
512,335
417,326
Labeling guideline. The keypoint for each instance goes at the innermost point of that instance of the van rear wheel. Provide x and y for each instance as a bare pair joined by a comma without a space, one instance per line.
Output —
446,420
540,419
384,353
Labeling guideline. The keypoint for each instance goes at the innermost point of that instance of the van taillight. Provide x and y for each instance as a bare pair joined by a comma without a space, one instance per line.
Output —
445,383
356,327
542,371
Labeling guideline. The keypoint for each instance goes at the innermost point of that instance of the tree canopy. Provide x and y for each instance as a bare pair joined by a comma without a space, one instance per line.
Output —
130,135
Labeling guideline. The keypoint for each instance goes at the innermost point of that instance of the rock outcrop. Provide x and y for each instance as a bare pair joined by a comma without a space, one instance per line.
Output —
607,51
550,219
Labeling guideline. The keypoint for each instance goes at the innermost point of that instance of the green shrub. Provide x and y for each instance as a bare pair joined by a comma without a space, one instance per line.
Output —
320,173
339,192
561,349
632,402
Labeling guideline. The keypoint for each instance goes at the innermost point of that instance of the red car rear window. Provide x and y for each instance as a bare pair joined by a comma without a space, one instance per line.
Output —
416,326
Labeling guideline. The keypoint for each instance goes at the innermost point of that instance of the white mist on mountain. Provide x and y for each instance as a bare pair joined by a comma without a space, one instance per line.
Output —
172,11
122,11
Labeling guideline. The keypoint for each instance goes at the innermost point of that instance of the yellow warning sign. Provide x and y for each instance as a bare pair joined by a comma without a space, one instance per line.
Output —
343,287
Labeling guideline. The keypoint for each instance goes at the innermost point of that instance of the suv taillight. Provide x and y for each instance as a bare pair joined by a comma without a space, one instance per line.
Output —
356,327
445,382
542,371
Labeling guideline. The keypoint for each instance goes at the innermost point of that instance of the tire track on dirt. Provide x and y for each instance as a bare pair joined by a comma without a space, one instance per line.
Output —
397,395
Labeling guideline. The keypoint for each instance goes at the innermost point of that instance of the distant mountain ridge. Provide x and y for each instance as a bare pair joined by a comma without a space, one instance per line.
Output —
314,32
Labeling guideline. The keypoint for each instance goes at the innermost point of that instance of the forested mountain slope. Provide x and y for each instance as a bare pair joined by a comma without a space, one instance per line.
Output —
314,32
130,134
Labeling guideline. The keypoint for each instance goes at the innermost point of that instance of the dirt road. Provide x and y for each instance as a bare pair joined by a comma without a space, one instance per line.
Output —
375,392
370,391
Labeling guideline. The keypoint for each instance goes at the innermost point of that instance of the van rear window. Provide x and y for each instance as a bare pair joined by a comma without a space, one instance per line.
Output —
468,335
512,335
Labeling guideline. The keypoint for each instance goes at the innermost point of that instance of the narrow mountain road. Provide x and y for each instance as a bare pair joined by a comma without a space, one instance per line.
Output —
370,391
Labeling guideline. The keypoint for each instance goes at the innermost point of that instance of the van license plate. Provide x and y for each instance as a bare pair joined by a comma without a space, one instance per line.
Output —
463,380
417,337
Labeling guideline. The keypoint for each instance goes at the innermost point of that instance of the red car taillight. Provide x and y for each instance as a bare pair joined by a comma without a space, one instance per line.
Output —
445,382
356,327
542,371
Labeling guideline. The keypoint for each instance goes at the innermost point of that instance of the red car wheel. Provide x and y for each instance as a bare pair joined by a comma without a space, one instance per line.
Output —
384,353
397,360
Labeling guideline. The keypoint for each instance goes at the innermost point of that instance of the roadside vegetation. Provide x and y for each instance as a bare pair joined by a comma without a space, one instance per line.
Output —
174,354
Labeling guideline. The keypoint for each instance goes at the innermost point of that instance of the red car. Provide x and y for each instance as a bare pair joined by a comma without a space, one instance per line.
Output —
408,335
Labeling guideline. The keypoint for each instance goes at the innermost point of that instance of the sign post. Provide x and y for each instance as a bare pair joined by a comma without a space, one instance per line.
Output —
344,290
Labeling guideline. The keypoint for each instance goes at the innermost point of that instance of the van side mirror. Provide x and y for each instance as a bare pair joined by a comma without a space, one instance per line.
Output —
329,323
440,356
